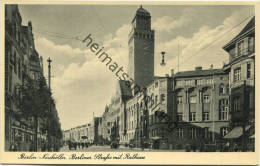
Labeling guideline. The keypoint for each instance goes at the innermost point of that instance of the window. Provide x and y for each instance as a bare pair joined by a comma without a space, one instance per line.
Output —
180,133
209,81
189,82
193,133
162,98
223,131
179,116
179,99
200,82
221,89
156,99
240,49
108,131
206,99
237,74
248,69
192,116
224,113
236,104
156,84
251,44
193,99
179,83
224,102
205,116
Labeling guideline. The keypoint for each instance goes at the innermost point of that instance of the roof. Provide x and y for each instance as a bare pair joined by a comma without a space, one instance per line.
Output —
195,73
236,132
141,10
250,25
125,88
155,78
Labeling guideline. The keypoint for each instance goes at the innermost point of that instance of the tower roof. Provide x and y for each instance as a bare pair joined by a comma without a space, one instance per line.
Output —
142,11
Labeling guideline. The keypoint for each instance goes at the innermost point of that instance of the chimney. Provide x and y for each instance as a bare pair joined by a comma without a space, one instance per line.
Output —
211,66
172,72
198,68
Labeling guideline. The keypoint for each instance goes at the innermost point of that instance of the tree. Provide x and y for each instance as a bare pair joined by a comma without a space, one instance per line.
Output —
34,99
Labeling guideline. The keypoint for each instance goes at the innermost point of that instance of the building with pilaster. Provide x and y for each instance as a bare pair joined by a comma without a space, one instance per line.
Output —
200,107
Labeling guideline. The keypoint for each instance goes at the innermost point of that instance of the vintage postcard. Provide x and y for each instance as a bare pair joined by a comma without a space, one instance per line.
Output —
85,82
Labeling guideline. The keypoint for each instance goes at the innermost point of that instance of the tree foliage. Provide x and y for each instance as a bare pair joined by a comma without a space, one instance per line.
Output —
35,97
35,100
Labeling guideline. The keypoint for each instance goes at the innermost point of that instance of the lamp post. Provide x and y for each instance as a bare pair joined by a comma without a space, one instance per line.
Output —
49,80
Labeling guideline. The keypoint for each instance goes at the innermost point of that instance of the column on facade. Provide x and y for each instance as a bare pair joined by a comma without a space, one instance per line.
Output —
199,107
186,108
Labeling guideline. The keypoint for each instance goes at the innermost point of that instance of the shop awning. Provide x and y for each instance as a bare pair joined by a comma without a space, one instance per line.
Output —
236,132
156,138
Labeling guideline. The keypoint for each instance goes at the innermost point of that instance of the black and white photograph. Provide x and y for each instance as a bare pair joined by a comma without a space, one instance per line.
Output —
134,77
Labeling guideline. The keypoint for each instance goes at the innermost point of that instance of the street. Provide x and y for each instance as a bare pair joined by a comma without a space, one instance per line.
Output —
107,148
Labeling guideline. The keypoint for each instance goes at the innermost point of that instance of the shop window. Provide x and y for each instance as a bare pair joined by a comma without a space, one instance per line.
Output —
192,116
206,133
180,133
193,133
223,131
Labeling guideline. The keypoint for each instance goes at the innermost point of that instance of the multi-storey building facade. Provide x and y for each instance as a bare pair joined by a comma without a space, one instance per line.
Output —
159,106
200,106
134,113
241,69
21,58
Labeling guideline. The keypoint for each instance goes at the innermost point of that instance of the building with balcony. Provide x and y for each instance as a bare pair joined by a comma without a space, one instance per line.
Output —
241,69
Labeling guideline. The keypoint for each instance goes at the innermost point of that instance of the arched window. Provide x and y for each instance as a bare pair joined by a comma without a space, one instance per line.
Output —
221,89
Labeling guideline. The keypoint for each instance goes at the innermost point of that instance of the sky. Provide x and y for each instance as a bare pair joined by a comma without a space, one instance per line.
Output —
81,84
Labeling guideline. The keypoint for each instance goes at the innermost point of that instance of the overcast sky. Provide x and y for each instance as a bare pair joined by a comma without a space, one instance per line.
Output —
82,84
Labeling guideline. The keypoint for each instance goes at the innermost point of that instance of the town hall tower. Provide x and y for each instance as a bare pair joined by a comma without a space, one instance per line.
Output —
141,49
